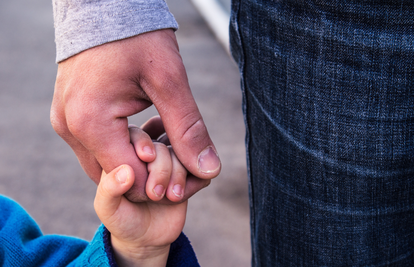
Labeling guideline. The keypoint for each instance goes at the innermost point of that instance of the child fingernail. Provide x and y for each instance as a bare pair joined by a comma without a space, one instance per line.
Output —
208,160
159,191
148,150
178,190
122,175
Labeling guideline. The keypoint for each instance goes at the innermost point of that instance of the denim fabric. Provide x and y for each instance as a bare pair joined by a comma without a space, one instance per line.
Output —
329,110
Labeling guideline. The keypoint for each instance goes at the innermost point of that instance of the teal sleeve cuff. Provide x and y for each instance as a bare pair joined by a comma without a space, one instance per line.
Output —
97,253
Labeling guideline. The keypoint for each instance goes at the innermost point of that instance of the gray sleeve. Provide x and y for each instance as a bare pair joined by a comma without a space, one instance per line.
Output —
82,24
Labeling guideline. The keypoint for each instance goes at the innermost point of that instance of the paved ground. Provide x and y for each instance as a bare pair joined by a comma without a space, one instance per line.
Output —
41,172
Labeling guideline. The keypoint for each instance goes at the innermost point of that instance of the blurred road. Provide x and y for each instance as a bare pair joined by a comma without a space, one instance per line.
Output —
40,171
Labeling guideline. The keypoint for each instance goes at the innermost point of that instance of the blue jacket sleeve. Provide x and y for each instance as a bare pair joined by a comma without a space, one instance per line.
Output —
23,244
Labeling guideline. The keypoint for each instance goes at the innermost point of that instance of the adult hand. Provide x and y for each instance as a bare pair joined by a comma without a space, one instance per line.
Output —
99,88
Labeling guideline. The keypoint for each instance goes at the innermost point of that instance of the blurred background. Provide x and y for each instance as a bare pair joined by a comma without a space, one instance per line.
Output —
40,171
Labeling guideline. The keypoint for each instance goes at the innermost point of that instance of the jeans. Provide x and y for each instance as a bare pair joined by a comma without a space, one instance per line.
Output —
328,100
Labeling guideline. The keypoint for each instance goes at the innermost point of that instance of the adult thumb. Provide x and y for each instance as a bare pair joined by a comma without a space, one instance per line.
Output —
191,142
111,189
164,80
186,129
185,126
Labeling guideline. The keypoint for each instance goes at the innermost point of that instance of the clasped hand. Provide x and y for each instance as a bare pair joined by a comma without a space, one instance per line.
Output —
97,89
141,233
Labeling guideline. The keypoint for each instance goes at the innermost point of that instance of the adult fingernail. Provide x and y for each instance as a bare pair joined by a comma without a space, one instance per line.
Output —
148,150
178,190
208,160
122,175
159,191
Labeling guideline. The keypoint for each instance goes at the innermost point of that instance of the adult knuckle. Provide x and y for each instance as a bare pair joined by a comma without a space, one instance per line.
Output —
169,77
56,122
194,130
84,118
77,124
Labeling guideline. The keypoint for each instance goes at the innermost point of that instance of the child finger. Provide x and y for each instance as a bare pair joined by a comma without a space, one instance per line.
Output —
177,183
142,143
110,190
159,173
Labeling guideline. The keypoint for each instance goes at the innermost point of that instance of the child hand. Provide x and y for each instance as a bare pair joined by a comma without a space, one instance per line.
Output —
141,233
166,178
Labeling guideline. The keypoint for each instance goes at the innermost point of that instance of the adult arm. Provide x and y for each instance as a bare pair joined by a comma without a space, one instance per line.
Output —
116,58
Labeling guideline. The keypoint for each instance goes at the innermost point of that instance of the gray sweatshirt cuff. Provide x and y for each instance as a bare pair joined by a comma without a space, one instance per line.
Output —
82,24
